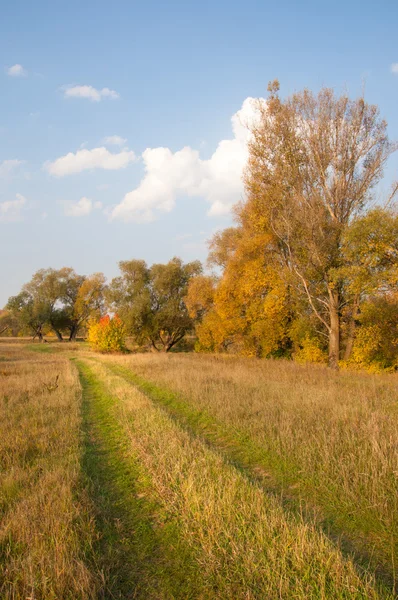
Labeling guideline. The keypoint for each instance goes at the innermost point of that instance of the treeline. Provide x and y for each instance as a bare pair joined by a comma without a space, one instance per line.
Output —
309,271
150,301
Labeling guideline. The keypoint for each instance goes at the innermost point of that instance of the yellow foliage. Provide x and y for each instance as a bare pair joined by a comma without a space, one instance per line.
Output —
200,296
107,335
366,343
249,307
310,351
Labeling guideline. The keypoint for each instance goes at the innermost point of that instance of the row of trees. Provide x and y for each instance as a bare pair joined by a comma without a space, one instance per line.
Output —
309,270
150,301
58,300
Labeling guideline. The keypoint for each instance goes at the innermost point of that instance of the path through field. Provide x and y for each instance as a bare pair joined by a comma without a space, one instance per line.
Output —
174,508
206,530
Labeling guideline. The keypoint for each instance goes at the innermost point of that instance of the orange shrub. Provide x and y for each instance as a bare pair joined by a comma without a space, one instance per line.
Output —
107,335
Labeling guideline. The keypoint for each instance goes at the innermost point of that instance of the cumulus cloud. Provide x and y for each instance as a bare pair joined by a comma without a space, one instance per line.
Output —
81,208
16,71
114,140
184,173
89,92
82,160
7,166
394,68
10,211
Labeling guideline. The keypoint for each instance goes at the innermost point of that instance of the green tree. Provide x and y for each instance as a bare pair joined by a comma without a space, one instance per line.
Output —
83,298
375,345
46,289
8,324
31,314
370,271
151,300
60,299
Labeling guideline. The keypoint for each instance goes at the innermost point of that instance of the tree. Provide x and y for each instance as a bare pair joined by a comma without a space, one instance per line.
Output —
375,346
200,296
32,315
150,301
83,298
60,299
248,311
46,289
8,324
370,269
314,161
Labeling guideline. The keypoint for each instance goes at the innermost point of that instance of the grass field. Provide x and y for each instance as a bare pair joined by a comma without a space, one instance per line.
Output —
186,476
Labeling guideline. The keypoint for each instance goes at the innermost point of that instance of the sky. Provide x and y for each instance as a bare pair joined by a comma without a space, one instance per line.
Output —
122,124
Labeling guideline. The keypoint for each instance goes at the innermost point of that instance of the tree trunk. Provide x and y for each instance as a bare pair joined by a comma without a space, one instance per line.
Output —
73,334
154,348
351,329
334,332
58,334
173,342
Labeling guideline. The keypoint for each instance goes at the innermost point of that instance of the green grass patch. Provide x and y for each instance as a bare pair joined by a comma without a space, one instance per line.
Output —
139,550
41,348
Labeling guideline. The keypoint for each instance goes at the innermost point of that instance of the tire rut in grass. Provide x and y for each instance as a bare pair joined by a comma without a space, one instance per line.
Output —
246,545
251,460
138,557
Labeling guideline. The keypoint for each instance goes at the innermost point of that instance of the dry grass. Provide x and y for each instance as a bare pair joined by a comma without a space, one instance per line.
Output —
330,439
246,546
46,530
179,520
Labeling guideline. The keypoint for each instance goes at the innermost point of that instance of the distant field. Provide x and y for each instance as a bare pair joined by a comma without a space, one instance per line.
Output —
187,476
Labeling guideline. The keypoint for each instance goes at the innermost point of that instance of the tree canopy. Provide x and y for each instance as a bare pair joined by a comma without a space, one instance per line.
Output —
60,300
151,300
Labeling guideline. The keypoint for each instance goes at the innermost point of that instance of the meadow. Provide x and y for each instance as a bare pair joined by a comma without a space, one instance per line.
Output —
162,476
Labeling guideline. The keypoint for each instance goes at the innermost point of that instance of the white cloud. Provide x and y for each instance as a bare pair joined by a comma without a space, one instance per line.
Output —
183,173
16,71
7,166
89,92
10,211
394,68
183,236
82,160
114,140
81,208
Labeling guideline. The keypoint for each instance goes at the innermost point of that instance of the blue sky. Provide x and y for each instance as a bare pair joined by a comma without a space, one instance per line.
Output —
116,139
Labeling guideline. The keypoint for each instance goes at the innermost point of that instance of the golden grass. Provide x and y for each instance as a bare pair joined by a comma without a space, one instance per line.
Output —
329,439
247,547
46,528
